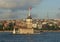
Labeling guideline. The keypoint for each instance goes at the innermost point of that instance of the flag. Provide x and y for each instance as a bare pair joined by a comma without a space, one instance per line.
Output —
30,8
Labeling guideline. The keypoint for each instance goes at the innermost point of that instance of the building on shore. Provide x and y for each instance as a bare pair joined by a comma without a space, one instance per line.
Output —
27,28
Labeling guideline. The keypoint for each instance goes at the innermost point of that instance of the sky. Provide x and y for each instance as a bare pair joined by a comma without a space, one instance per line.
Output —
18,9
50,7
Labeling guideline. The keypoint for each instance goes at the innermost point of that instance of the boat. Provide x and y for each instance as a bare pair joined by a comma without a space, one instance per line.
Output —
14,31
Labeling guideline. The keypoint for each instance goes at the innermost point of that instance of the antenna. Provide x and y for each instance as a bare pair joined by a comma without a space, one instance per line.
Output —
47,16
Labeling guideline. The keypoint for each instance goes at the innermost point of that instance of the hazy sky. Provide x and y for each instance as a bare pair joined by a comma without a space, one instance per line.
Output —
50,7
16,9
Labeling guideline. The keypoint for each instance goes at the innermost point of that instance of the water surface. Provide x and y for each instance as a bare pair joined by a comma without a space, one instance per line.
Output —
43,37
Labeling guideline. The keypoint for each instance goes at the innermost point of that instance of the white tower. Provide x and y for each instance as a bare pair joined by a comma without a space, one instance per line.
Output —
29,20
28,29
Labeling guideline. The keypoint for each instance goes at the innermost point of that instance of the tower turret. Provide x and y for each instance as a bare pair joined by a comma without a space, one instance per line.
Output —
29,14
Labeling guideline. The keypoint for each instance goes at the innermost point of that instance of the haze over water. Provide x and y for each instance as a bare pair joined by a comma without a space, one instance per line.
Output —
43,37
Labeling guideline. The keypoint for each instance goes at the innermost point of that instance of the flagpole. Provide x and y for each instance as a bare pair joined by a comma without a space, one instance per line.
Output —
29,12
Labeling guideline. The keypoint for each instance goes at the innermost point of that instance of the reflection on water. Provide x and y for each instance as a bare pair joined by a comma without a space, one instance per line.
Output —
43,37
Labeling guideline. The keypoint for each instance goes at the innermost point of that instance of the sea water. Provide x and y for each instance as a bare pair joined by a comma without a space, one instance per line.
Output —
42,37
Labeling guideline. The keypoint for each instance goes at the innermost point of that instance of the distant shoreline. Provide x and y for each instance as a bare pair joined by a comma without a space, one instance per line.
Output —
5,31
39,31
49,30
